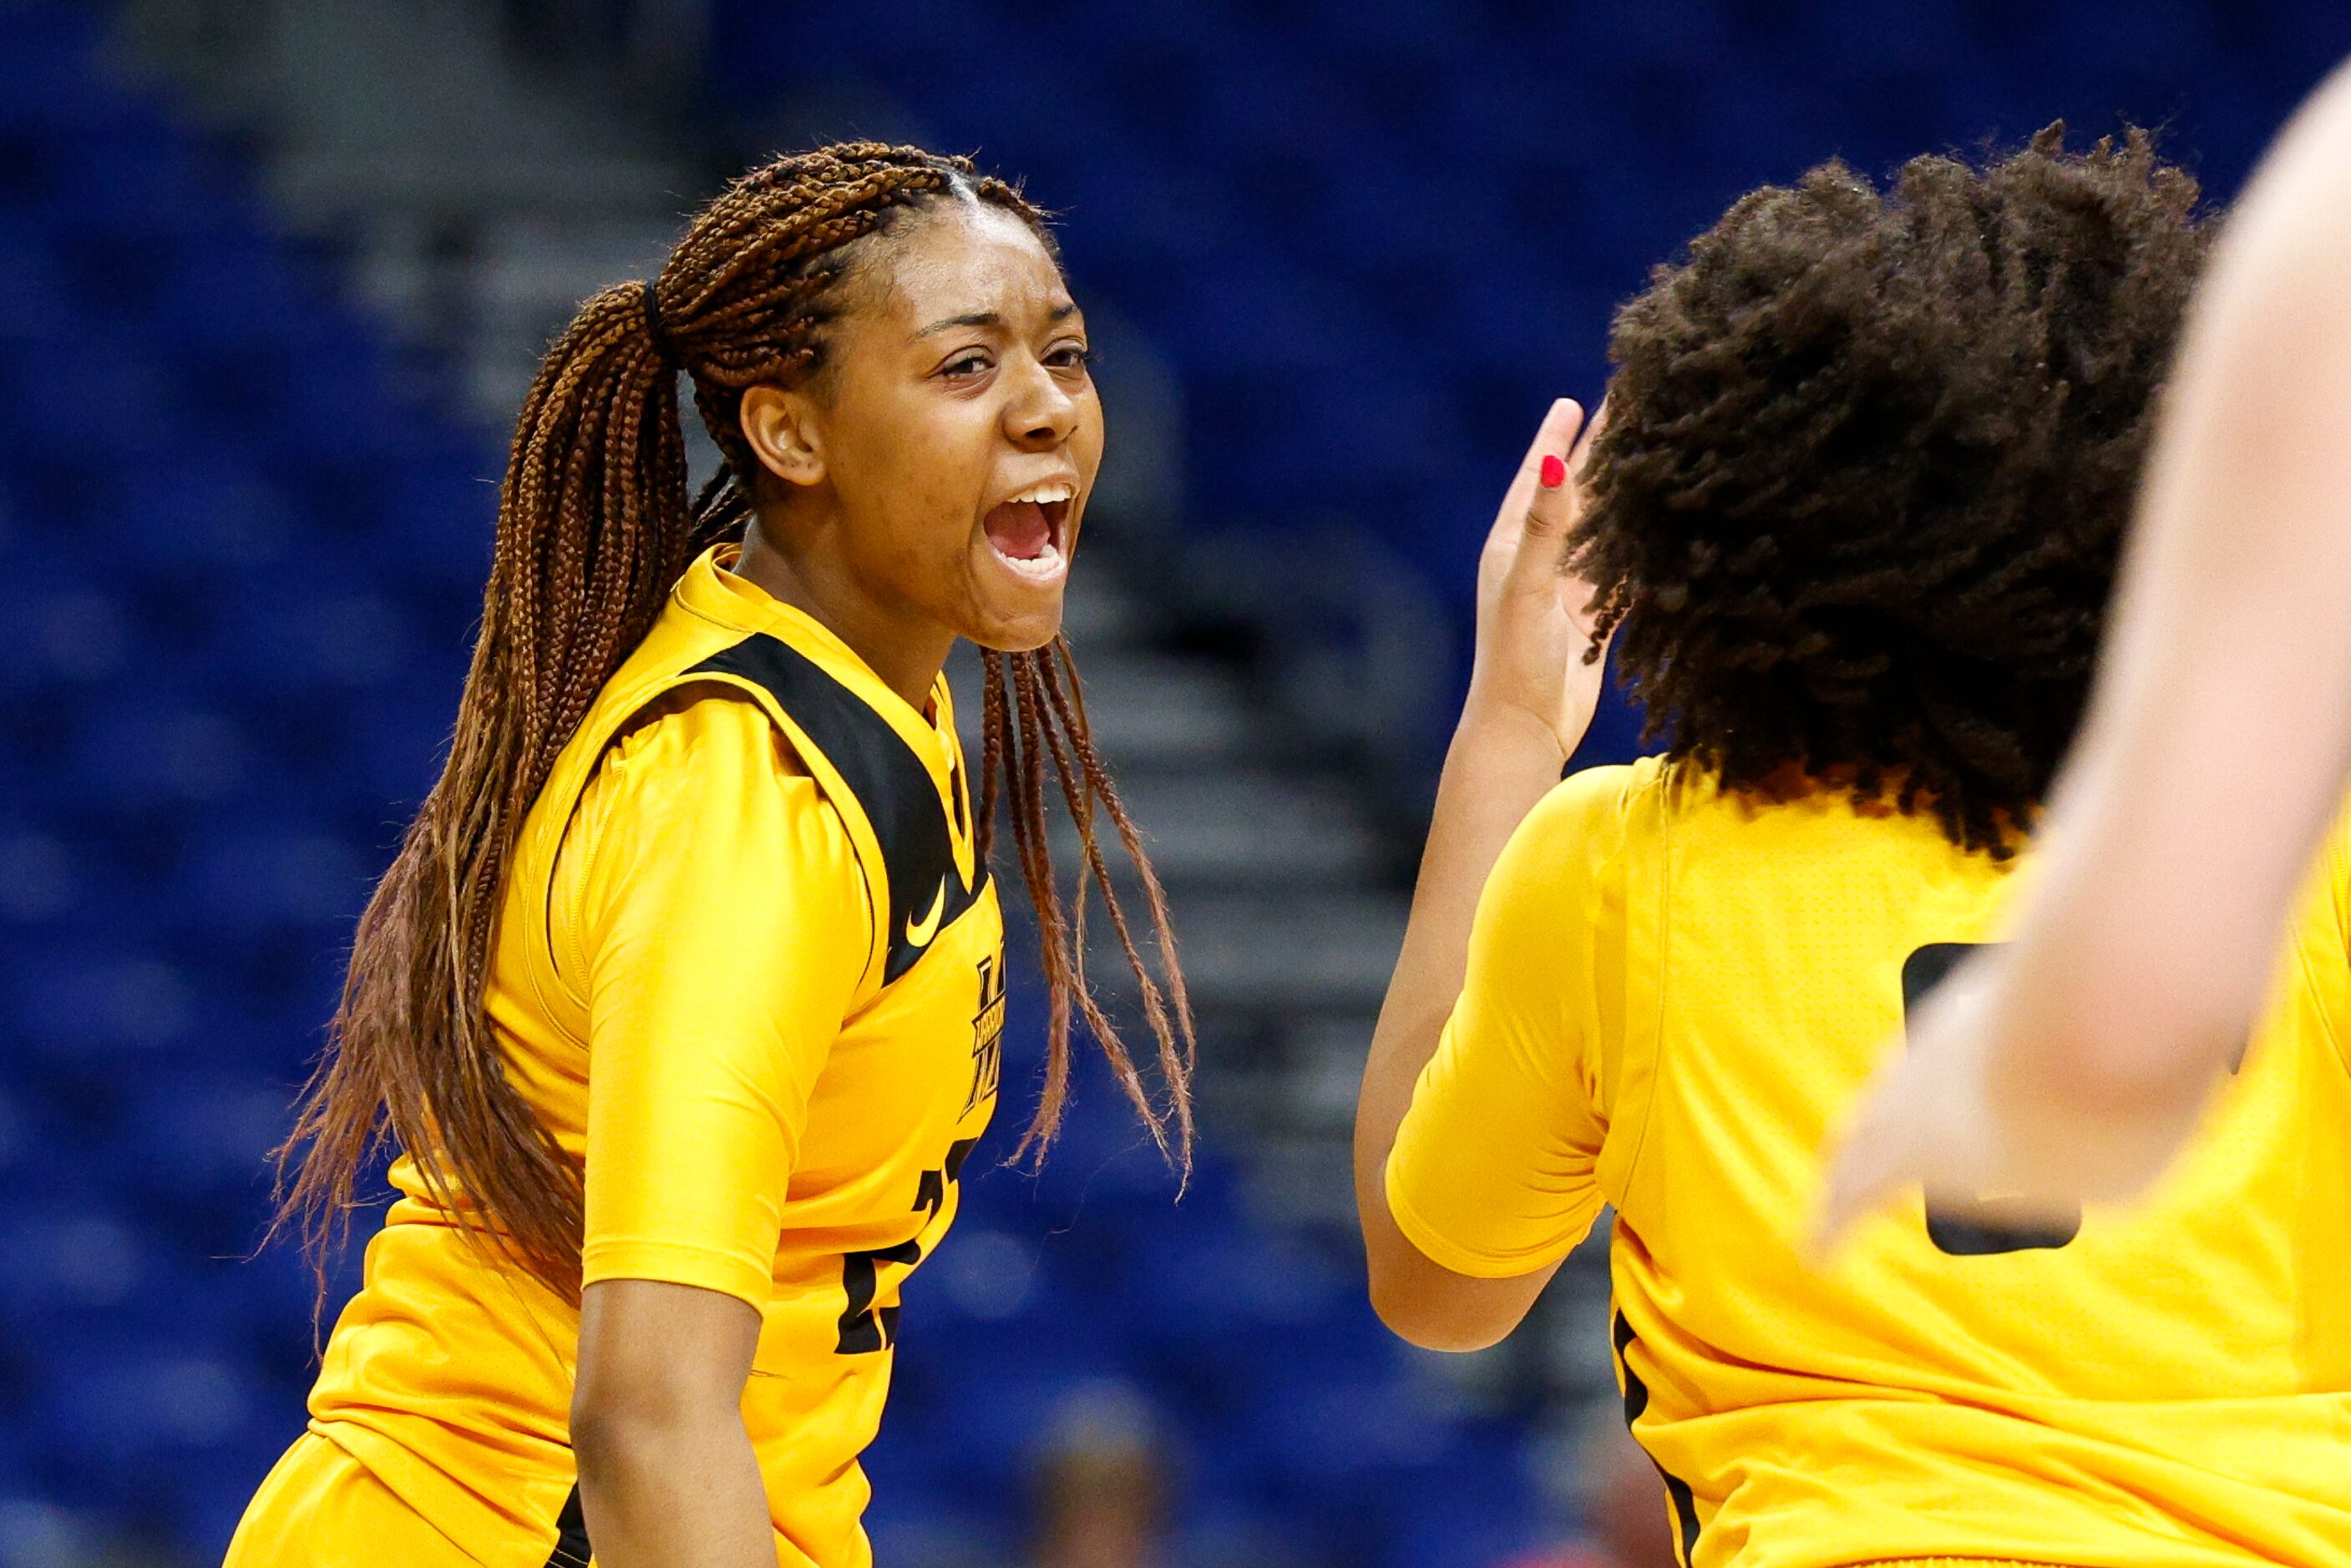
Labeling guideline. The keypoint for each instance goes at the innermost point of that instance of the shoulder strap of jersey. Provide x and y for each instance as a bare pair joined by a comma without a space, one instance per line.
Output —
1643,882
923,890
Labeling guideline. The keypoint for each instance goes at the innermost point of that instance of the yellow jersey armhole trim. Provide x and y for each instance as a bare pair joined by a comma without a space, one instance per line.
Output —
1647,936
538,850
565,933
870,981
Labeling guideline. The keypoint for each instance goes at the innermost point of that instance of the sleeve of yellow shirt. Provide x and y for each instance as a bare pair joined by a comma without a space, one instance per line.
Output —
1493,1171
723,930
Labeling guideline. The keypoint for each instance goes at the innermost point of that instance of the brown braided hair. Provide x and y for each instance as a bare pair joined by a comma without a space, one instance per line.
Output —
1868,460
594,528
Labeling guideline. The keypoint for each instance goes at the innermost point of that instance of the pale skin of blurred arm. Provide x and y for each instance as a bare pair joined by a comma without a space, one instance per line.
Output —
667,1475
2214,753
1532,697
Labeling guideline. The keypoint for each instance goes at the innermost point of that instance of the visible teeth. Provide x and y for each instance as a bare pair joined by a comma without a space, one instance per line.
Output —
1045,495
1047,564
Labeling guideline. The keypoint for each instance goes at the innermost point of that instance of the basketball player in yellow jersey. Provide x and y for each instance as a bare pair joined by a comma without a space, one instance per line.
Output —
684,1000
1853,521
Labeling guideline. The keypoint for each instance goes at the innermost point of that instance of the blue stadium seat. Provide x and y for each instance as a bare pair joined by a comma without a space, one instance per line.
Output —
104,398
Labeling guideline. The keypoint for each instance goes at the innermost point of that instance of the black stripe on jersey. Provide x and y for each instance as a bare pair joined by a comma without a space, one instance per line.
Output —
572,1549
1637,1399
889,782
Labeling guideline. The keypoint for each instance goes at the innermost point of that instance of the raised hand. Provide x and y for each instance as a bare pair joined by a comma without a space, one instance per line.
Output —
1534,620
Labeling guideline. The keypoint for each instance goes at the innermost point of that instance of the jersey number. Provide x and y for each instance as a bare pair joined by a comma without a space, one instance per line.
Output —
1970,1227
864,1327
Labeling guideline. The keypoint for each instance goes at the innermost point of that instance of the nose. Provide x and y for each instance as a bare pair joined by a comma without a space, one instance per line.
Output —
1039,412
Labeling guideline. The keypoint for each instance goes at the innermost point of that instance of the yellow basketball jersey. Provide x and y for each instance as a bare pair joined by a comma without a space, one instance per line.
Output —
797,1146
1674,996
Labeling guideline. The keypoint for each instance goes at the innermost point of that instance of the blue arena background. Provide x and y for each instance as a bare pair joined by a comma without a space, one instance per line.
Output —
238,561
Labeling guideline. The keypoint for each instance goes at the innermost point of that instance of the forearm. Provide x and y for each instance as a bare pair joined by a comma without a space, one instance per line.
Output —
667,1475
672,1490
1500,764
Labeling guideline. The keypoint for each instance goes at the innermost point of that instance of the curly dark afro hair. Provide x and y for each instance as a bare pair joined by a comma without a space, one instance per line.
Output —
1868,458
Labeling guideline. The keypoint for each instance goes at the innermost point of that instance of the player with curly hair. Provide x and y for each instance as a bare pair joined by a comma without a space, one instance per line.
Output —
2214,754
1851,520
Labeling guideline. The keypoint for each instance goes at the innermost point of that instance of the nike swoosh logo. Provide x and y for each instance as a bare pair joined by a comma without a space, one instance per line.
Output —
920,932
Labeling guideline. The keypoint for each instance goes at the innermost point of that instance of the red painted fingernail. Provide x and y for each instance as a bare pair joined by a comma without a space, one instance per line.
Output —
1554,473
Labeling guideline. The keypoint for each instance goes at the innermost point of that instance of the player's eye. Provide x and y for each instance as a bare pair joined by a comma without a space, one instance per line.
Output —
963,365
1070,357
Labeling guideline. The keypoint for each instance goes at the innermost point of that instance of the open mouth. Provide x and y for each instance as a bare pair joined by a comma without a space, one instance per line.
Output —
1029,530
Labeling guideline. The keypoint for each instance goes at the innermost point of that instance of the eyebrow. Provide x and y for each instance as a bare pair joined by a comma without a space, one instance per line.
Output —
1061,312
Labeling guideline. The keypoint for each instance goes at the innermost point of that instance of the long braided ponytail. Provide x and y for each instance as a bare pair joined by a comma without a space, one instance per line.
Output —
594,527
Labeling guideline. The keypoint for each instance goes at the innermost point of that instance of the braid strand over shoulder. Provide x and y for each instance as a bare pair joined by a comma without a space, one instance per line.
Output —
1868,460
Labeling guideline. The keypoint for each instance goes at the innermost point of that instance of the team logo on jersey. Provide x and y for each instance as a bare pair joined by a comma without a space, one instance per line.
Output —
920,932
988,1033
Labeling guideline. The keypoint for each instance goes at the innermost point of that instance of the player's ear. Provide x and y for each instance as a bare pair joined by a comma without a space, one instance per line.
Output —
782,430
